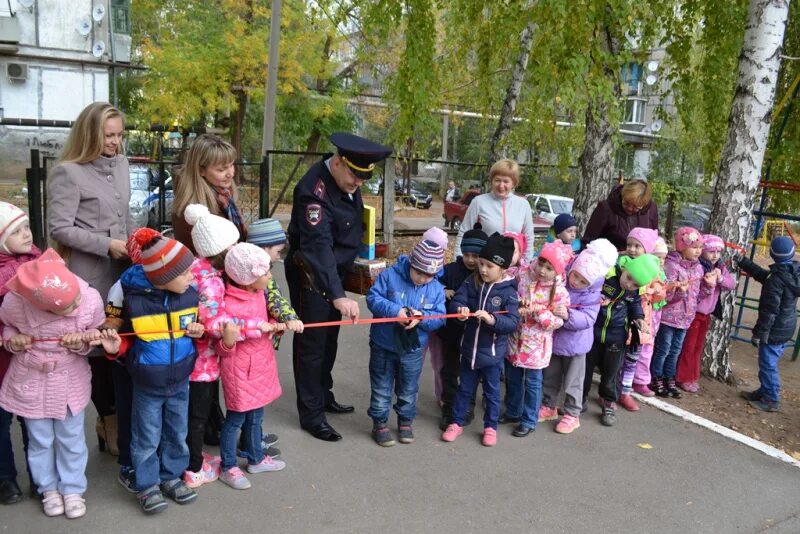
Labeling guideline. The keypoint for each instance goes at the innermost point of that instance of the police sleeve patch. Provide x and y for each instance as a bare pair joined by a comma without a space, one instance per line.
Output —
319,190
313,214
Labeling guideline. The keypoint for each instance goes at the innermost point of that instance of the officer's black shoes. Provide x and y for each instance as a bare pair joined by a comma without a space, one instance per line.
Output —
335,407
323,431
9,492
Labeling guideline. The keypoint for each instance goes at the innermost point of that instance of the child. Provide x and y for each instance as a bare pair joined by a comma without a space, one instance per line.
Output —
485,341
684,274
777,318
640,241
543,306
455,273
518,261
620,305
16,248
159,296
407,289
45,303
434,344
574,339
565,229
656,289
247,362
715,280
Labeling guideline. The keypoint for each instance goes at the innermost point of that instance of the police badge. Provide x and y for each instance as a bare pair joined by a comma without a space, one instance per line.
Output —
313,214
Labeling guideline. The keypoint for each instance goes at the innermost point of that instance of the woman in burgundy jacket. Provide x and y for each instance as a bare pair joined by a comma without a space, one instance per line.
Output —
627,207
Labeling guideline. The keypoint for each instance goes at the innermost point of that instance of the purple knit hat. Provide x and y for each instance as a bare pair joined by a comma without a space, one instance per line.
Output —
713,242
437,235
427,257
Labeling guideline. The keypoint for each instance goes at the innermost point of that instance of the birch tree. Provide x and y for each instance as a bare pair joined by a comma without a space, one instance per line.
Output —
743,153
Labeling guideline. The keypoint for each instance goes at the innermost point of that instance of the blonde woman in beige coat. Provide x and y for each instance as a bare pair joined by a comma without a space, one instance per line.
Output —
89,222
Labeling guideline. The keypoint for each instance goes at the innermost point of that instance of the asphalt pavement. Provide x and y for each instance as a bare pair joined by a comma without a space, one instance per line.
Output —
650,473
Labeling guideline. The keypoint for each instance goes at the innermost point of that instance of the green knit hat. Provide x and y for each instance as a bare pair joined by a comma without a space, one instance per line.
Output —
642,269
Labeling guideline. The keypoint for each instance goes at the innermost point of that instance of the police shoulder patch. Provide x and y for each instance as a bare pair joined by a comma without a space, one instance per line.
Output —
319,189
313,214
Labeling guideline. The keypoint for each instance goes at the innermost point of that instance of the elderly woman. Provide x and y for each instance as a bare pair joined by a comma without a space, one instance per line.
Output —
627,207
88,218
500,210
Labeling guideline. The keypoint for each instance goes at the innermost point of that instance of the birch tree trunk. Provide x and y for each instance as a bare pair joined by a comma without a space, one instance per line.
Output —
743,154
596,161
496,148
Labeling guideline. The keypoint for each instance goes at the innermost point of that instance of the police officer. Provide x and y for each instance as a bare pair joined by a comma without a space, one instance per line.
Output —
324,238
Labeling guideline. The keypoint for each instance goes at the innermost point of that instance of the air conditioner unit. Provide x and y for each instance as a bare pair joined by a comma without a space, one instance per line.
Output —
9,30
17,72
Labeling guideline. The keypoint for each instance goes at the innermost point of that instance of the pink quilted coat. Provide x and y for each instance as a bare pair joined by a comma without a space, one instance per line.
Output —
249,369
213,316
532,345
681,306
44,381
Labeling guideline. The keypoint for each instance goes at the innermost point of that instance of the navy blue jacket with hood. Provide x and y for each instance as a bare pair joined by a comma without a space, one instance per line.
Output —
615,317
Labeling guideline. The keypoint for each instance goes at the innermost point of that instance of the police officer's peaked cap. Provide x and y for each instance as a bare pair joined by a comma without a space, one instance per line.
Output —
359,154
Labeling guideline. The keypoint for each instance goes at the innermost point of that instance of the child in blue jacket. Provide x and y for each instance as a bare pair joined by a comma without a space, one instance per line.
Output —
484,344
408,289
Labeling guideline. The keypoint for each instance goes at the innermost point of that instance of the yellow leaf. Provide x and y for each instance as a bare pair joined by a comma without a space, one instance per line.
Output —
644,446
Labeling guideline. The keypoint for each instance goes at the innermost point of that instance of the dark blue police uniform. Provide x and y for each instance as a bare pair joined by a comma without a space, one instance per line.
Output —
324,237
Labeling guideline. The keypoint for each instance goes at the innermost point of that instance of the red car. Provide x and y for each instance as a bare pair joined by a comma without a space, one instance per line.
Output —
454,211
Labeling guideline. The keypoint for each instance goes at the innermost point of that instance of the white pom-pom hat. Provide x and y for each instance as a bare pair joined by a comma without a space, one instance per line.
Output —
594,262
211,234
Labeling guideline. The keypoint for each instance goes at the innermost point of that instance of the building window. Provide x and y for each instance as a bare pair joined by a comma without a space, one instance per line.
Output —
121,16
631,78
634,110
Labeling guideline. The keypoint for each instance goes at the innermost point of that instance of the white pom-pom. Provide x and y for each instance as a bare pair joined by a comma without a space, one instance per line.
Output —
603,249
194,212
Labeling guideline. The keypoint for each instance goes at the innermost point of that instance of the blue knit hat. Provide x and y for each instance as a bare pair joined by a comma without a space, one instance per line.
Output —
266,233
427,257
562,222
474,240
782,249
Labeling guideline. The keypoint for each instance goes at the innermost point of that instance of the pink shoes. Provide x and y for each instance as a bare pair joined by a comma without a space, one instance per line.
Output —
489,437
452,432
567,424
627,402
691,387
547,414
643,390
208,473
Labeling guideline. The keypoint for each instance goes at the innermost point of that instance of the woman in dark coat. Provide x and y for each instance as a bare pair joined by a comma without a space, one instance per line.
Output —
627,207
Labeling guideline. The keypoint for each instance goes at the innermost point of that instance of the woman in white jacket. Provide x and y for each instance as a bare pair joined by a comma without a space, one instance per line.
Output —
500,210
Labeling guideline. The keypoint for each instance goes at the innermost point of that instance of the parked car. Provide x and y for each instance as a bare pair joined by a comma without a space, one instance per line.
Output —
417,198
545,208
688,214
454,211
153,202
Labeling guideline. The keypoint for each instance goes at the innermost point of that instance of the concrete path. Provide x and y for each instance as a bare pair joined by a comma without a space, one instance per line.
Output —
595,480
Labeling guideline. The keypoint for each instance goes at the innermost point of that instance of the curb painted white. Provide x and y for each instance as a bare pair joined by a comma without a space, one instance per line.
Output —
761,447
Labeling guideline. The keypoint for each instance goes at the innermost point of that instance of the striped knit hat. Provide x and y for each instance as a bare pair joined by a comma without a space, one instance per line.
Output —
163,259
266,233
427,257
474,240
713,242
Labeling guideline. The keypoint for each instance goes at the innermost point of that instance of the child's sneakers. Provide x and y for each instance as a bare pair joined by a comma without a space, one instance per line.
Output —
689,387
405,433
178,491
234,478
672,388
207,473
53,503
547,413
626,401
152,500
659,386
489,437
452,432
643,390
127,478
268,464
214,461
74,506
383,436
567,424
609,417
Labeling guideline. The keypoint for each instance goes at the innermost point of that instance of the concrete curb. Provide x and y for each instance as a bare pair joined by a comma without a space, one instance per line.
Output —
762,447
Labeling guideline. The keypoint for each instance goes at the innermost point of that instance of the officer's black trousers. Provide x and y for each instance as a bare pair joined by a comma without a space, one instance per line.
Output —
313,351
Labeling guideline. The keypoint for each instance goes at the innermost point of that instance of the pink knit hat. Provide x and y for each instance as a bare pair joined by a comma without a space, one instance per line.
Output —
686,236
520,239
713,242
558,254
245,263
437,235
596,260
46,283
646,236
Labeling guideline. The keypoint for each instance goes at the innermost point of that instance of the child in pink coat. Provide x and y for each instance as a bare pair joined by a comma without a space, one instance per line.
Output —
544,302
51,318
247,363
